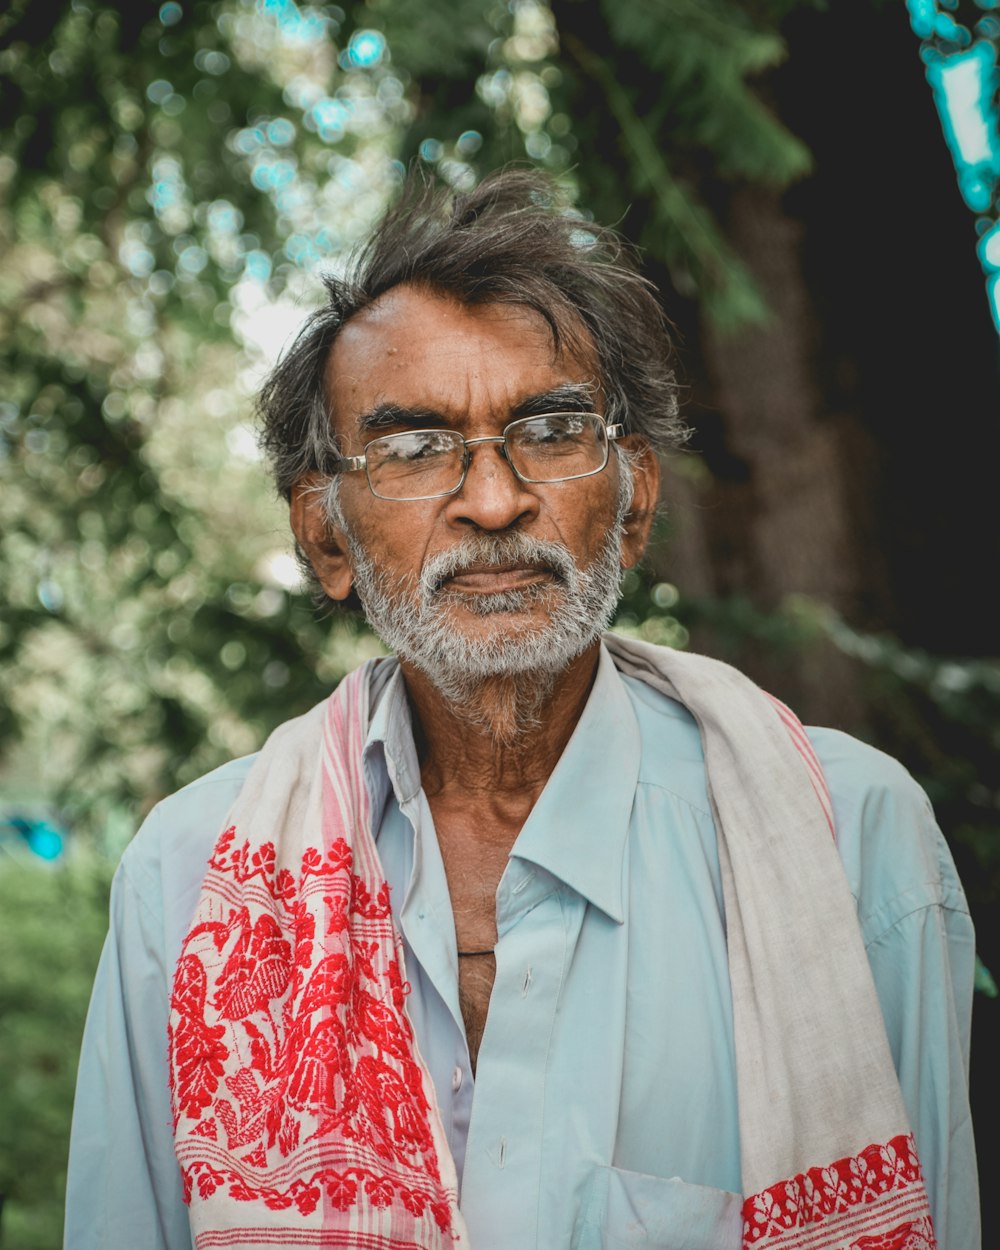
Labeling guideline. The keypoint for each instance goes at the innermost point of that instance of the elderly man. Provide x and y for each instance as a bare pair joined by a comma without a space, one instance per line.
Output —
526,937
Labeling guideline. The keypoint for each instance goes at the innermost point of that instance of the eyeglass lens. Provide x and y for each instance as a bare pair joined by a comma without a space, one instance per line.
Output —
424,463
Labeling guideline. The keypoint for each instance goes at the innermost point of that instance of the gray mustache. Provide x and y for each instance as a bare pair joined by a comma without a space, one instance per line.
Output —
497,549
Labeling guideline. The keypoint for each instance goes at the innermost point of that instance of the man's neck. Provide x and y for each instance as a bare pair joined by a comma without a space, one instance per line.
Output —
507,736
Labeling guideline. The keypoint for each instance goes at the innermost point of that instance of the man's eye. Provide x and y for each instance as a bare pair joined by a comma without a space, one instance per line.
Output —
554,430
411,448
552,434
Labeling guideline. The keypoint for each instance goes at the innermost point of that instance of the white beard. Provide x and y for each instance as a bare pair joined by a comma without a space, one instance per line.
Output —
414,620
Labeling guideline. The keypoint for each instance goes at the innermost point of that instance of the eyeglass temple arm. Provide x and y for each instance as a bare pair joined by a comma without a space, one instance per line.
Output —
347,464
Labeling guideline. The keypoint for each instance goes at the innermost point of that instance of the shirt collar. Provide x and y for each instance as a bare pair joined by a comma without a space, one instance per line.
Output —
578,829
390,756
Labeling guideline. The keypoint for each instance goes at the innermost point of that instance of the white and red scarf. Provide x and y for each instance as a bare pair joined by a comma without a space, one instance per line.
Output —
303,1112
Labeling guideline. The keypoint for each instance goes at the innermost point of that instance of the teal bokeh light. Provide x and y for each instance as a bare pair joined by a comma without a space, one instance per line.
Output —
366,48
295,25
961,67
40,836
993,291
922,16
989,248
46,842
964,86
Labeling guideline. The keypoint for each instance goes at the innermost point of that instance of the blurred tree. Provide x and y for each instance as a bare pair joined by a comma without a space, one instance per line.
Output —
168,173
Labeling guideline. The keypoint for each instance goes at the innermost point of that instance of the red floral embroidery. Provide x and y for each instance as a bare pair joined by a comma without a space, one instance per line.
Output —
197,1046
380,1191
341,1191
258,970
306,1199
876,1181
326,1049
913,1235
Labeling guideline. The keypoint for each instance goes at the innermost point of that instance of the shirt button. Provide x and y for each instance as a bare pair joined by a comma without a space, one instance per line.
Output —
456,1079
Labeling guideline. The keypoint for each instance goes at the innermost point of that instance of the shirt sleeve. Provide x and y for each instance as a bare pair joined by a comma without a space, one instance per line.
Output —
923,967
921,948
124,1185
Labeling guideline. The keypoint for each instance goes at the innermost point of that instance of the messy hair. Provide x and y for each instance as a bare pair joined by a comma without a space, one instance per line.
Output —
508,241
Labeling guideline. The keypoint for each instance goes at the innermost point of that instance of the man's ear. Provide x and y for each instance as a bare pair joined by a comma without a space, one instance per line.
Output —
324,543
642,463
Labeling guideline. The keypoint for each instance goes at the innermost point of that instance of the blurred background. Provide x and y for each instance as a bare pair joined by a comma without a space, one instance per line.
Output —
815,189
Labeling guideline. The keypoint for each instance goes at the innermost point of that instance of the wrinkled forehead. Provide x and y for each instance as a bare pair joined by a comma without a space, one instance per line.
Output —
424,350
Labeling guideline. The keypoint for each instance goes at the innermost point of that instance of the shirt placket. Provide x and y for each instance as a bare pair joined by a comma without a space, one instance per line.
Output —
537,923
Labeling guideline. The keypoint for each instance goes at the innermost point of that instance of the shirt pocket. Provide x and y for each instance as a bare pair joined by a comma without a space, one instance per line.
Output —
632,1211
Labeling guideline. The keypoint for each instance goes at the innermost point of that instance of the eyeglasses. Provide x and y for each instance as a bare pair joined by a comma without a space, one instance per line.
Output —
428,464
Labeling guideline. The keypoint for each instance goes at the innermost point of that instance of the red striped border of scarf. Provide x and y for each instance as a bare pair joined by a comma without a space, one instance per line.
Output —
333,1238
800,740
874,1200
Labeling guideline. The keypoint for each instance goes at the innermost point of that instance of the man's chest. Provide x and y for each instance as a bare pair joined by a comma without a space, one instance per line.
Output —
474,862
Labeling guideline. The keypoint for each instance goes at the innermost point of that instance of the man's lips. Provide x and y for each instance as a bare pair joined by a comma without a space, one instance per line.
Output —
493,578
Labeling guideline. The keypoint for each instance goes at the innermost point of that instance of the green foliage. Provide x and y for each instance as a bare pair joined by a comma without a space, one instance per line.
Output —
721,49
54,924
438,41
162,182
681,80
663,101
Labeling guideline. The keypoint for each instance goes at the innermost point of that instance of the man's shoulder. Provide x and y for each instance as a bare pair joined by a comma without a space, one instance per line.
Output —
855,763
866,784
230,775
896,858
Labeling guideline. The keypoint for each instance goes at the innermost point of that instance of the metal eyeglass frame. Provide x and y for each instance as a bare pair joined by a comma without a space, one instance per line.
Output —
351,464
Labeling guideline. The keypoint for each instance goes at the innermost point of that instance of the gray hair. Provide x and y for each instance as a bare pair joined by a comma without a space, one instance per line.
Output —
509,241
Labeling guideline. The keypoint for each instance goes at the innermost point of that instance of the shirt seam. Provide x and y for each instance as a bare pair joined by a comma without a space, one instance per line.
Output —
658,785
936,905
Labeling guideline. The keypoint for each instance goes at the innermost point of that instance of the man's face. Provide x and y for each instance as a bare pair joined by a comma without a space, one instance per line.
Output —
501,576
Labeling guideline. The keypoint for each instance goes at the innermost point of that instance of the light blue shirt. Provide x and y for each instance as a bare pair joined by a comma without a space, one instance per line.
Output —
603,1111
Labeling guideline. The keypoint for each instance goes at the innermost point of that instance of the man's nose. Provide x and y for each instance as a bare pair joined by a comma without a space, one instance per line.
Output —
492,496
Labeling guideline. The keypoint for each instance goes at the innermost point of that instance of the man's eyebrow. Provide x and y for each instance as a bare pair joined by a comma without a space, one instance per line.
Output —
387,415
570,397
